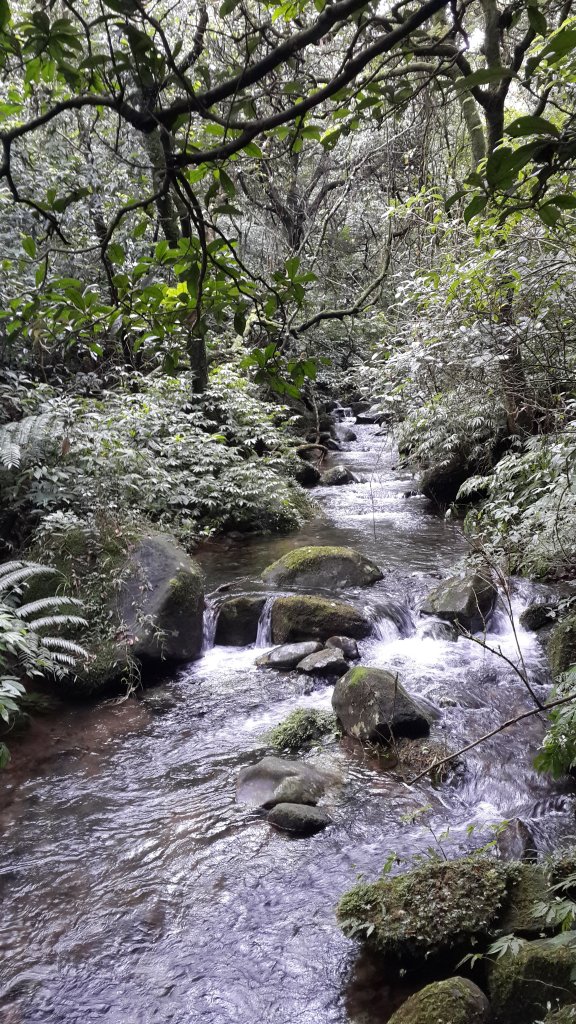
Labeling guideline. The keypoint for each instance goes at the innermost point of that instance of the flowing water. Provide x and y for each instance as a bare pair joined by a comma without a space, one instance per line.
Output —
136,890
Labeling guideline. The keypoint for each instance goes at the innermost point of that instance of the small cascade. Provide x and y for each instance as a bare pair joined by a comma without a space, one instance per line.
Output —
209,623
391,619
264,634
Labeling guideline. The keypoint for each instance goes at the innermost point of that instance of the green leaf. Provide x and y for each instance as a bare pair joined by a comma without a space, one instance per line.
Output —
29,246
549,214
566,201
116,253
251,149
474,207
485,76
227,183
537,20
531,125
227,7
4,19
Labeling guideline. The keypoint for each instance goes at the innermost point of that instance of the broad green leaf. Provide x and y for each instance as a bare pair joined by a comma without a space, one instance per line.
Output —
29,246
531,125
475,207
485,76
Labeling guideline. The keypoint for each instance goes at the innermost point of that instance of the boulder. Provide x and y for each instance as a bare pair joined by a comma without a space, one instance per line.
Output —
523,985
562,646
307,474
327,663
238,617
315,618
360,406
467,599
311,453
348,647
275,779
289,655
454,1001
432,912
336,476
298,819
322,567
536,616
370,418
516,842
160,601
441,483
371,704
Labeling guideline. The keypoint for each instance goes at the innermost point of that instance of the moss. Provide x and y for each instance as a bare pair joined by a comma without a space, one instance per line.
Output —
431,910
453,1001
302,727
562,646
323,566
408,757
315,618
539,976
566,1015
531,888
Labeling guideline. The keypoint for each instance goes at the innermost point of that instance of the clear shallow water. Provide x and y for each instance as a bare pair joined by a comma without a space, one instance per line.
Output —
136,890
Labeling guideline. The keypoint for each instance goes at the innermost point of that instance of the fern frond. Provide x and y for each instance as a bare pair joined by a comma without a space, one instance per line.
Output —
13,573
57,620
56,643
45,603
29,439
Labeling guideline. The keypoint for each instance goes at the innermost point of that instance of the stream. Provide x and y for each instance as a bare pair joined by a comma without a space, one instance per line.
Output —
136,890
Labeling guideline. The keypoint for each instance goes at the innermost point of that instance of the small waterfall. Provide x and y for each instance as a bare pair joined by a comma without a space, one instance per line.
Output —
264,634
391,619
209,623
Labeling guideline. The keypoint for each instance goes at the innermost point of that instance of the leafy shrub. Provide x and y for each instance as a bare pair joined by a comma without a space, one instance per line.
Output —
151,449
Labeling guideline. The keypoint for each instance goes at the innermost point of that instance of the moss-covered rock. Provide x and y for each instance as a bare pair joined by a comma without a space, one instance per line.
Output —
536,616
562,646
238,617
301,728
338,475
441,483
322,567
143,599
371,704
467,599
315,618
454,1001
298,819
435,910
524,985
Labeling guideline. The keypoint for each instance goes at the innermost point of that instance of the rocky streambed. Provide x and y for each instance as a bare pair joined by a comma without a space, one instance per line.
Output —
139,888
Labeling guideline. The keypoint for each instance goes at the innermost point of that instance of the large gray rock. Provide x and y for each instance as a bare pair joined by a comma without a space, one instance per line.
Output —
237,624
327,663
370,704
298,819
338,475
562,646
441,483
454,1001
322,567
536,616
307,474
160,601
289,655
316,618
276,779
523,985
467,599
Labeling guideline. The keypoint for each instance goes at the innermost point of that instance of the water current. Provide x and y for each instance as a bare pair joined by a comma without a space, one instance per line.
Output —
136,890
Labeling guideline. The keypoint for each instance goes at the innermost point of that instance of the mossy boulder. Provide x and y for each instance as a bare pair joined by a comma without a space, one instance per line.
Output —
315,618
143,598
537,616
237,623
322,567
453,1001
562,646
442,482
371,704
467,599
160,601
435,911
525,984
338,475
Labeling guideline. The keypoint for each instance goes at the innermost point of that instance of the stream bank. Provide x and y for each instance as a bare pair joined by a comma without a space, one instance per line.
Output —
163,899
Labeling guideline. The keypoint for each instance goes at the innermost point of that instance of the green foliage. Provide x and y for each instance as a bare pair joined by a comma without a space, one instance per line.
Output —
31,642
557,754
301,728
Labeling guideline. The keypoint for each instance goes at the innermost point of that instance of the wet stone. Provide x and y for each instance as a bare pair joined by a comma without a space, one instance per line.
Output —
298,819
336,476
265,783
289,655
348,646
329,662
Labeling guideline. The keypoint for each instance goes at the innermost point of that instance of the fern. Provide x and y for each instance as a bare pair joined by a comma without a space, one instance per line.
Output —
29,440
